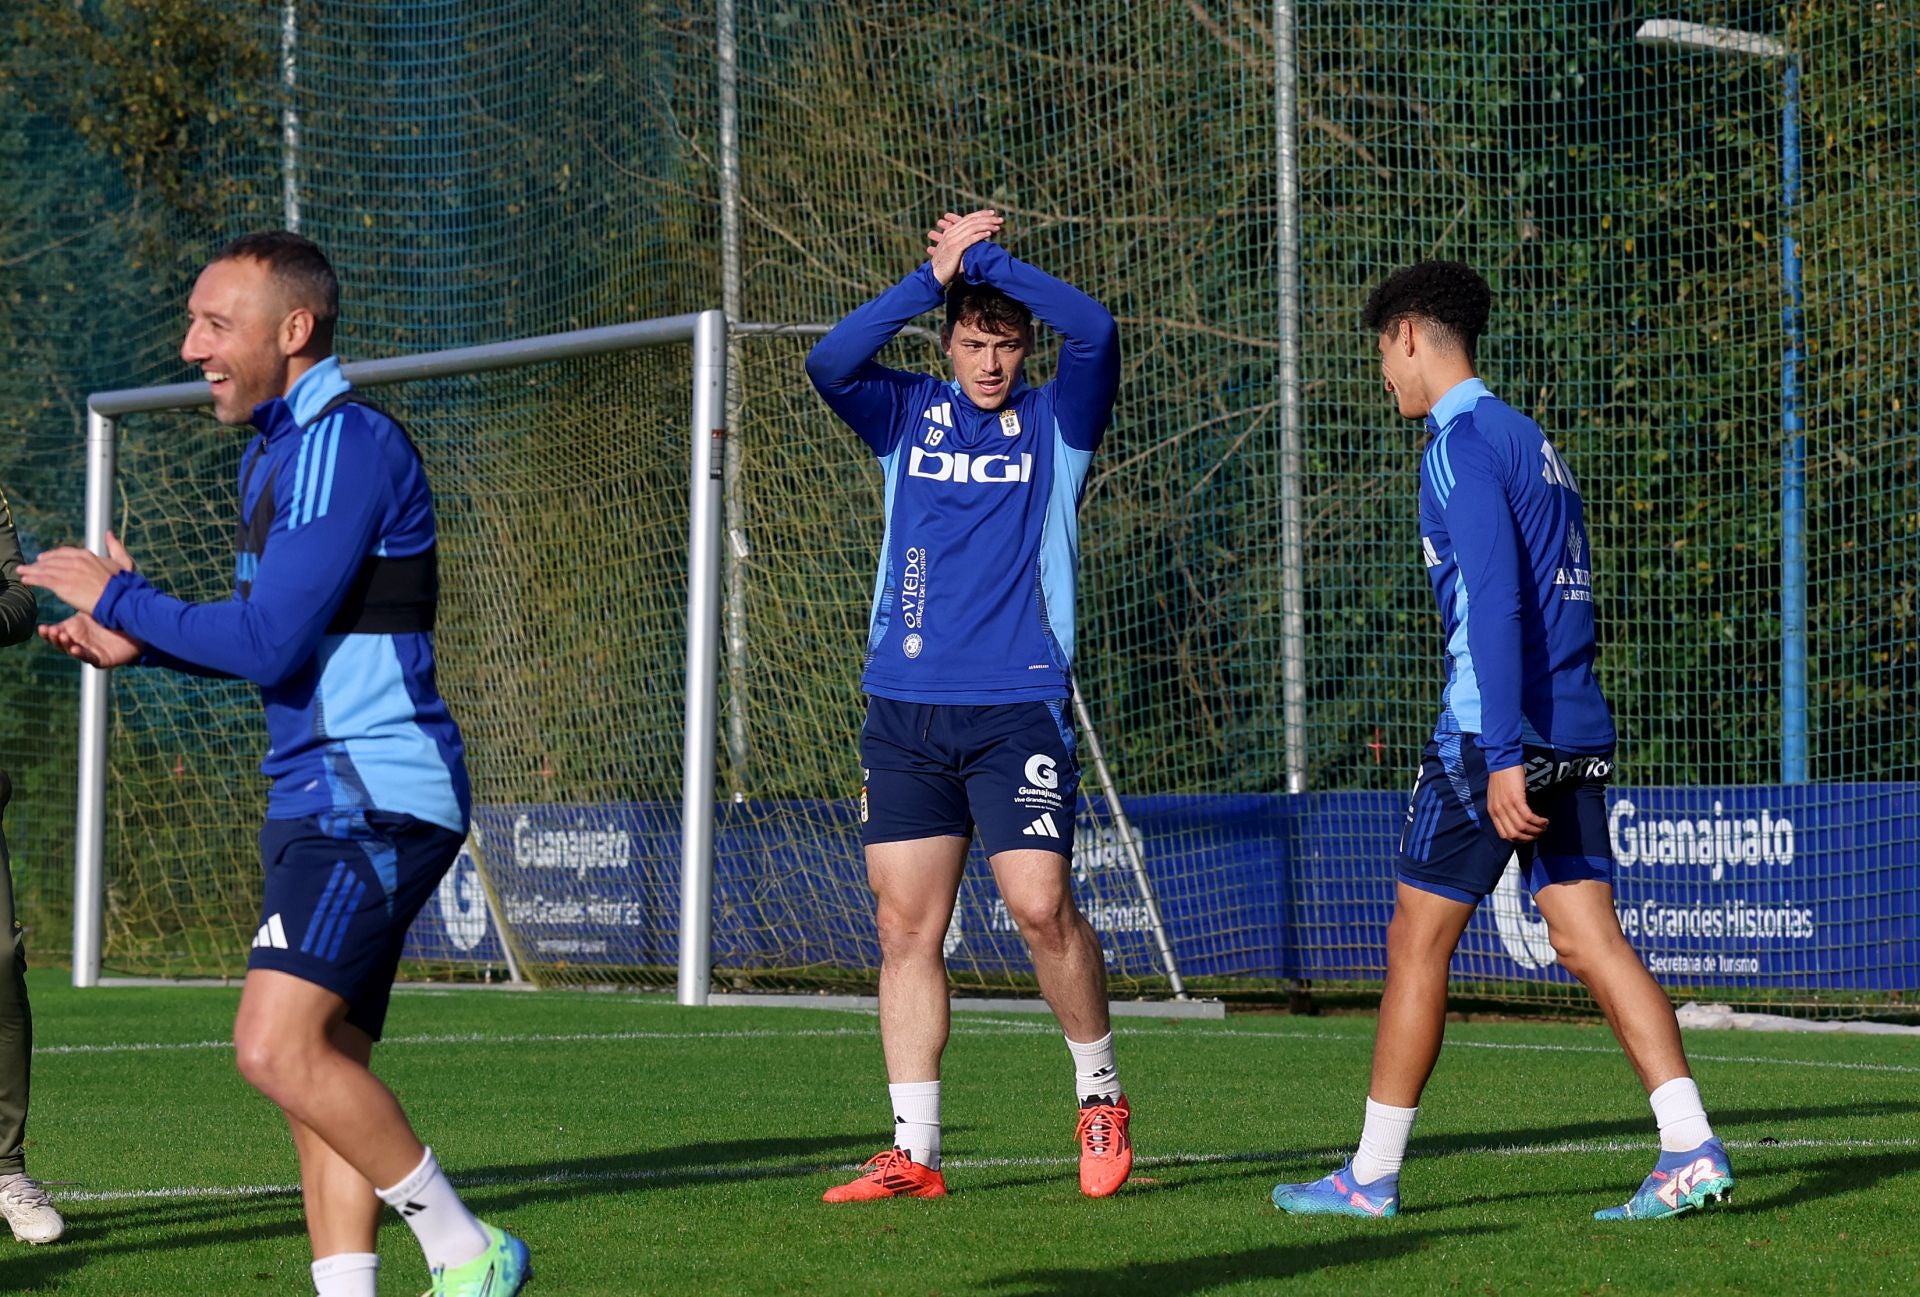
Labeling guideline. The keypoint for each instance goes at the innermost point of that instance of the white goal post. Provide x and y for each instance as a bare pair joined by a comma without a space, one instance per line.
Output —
707,331
618,879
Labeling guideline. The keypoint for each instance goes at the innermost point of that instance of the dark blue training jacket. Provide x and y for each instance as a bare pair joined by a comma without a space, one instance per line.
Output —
1503,533
354,717
973,602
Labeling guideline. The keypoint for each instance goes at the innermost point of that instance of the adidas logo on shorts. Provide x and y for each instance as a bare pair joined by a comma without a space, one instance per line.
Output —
272,934
1042,827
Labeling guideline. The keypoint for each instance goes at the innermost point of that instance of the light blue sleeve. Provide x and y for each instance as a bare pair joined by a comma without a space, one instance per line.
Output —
1486,544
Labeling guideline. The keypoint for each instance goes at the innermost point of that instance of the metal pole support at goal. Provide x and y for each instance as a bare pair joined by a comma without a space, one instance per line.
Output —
703,655
707,331
90,820
1129,842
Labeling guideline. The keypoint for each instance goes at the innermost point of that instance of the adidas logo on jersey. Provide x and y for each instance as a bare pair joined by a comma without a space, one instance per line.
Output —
1042,827
939,419
272,935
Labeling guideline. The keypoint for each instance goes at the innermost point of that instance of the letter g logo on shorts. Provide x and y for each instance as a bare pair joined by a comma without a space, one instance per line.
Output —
1041,772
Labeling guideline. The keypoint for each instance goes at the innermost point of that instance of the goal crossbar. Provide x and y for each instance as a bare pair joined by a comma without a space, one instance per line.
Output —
707,331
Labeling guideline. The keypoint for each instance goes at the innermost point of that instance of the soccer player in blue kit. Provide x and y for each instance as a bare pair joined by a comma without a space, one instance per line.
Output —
336,584
969,664
1518,764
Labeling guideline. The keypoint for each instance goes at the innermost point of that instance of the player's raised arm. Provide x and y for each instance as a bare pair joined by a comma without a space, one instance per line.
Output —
843,367
1088,377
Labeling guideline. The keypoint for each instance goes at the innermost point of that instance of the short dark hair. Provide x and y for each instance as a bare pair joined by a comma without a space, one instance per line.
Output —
297,266
1448,294
984,307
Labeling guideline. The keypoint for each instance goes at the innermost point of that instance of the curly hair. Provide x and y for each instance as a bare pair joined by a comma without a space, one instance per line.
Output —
985,308
1447,294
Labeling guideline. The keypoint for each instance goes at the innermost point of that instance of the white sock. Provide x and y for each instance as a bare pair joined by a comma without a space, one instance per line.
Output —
1095,1074
1383,1141
1678,1112
916,1121
346,1274
449,1234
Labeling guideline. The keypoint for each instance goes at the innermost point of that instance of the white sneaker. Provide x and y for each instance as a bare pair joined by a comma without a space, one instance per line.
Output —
25,1206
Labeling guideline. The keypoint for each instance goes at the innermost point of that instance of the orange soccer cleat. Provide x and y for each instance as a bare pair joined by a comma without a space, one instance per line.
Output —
1106,1150
891,1174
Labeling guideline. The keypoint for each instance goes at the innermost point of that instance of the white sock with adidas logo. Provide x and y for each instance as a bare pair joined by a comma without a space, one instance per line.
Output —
916,1120
1095,1073
449,1234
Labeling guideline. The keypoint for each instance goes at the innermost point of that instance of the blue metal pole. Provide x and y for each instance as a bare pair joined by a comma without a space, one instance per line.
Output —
1793,483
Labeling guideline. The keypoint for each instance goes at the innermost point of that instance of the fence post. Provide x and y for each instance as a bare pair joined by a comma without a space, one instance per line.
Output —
734,526
1293,633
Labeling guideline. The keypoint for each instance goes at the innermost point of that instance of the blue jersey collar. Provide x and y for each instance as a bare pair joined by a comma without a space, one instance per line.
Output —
305,399
1457,400
310,394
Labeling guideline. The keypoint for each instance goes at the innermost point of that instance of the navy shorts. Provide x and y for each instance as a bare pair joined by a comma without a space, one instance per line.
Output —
342,890
935,770
1449,846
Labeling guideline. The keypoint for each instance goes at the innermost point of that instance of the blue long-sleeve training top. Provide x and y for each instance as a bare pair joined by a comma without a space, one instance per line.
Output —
973,602
1503,533
334,588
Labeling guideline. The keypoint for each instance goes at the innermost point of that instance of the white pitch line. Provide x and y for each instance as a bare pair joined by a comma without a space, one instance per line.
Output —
1229,1033
476,1038
791,1170
972,1027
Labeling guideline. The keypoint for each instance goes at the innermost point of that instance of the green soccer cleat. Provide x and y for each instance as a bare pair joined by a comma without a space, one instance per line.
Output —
504,1269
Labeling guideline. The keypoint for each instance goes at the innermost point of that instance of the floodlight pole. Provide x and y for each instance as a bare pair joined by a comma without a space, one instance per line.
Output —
734,552
1698,38
289,117
1293,633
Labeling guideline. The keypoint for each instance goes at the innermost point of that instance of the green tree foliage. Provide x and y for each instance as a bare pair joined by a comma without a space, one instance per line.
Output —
514,167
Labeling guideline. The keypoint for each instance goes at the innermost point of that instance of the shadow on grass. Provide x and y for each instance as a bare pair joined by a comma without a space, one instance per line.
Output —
170,1228
145,1226
1747,1122
705,1162
1198,1274
1827,1177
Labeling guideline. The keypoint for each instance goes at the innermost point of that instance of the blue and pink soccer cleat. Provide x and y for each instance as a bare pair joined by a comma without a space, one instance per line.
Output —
1340,1195
1680,1182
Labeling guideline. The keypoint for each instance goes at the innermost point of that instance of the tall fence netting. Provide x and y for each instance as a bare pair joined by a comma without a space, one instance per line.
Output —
481,171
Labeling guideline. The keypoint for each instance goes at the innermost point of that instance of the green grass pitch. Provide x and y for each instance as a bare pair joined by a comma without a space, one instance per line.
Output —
643,1148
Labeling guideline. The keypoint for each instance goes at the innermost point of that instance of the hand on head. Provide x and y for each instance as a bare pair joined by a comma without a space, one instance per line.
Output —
953,234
